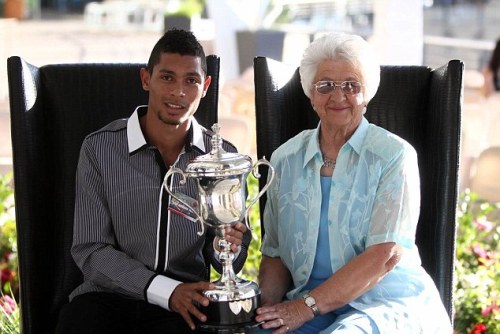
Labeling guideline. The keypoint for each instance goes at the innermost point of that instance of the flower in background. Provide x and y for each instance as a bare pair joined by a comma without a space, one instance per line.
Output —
483,256
490,309
480,252
9,282
6,275
8,304
479,329
9,315
483,224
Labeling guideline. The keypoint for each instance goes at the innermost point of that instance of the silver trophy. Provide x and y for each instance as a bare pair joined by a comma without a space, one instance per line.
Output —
221,180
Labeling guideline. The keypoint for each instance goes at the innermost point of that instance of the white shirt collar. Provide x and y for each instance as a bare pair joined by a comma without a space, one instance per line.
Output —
136,139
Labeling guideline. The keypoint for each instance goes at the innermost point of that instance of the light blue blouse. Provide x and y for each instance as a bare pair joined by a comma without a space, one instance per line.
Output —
375,198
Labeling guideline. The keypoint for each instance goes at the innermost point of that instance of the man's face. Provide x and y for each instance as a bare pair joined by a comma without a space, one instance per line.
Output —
175,87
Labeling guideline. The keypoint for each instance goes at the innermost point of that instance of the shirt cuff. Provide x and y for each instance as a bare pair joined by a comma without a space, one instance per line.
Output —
160,290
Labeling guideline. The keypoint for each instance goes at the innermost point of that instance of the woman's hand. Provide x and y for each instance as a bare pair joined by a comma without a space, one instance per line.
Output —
286,316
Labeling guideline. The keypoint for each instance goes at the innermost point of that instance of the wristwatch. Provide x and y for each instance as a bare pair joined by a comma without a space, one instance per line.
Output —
311,303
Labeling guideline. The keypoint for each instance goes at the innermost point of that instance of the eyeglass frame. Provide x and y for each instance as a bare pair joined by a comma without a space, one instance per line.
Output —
342,86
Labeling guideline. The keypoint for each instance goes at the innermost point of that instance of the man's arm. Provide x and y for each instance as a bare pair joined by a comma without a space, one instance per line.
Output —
274,280
94,246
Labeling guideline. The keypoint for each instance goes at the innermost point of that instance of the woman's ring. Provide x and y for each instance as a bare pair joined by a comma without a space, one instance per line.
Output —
280,321
287,329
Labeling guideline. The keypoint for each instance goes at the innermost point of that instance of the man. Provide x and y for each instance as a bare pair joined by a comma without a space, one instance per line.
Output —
144,267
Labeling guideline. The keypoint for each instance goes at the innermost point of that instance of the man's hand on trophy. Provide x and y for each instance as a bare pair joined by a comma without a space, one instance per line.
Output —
234,235
186,296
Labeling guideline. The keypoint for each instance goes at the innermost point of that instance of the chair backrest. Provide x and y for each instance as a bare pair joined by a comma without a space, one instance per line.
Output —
420,104
53,108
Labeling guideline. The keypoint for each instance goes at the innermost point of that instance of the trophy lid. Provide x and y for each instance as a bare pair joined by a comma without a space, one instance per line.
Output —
218,163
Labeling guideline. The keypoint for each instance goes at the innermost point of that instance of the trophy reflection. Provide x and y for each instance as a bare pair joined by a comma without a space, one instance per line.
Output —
221,181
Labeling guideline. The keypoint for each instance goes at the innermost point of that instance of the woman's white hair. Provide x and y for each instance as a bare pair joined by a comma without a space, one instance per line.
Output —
345,47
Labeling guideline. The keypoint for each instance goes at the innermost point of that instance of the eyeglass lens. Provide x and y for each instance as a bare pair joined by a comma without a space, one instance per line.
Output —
348,87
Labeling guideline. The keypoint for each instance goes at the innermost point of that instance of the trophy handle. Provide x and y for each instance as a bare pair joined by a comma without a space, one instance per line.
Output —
255,172
175,170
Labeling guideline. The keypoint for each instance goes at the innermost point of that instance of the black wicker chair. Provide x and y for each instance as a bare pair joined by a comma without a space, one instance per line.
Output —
53,108
420,104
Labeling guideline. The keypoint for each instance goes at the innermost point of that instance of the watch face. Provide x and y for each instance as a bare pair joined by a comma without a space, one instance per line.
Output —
310,301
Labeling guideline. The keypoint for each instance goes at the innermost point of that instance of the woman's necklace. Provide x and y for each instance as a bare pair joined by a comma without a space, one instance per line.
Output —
329,162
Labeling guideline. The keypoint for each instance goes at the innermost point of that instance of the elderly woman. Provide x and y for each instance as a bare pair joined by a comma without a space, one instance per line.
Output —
339,253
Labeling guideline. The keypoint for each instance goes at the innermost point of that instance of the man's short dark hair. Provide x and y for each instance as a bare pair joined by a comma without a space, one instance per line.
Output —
177,41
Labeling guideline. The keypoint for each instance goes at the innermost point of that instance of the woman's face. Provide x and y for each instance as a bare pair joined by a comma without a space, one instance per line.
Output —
338,108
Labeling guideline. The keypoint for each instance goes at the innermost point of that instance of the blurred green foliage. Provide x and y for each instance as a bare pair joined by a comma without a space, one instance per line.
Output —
9,280
477,283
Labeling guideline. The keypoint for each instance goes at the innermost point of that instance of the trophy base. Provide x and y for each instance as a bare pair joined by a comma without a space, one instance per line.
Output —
228,329
231,313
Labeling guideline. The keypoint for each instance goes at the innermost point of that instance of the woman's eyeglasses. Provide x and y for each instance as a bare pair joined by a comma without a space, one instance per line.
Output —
348,87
